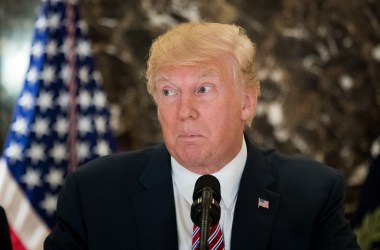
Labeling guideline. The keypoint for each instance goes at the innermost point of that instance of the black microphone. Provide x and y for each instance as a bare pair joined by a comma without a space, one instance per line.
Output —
205,210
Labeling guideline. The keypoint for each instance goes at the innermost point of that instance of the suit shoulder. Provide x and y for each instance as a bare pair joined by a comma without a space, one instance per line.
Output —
299,174
300,165
114,164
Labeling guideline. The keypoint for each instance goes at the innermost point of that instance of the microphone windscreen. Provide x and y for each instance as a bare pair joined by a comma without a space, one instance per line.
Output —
207,181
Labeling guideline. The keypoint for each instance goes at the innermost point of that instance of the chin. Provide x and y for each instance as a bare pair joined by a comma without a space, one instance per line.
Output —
192,160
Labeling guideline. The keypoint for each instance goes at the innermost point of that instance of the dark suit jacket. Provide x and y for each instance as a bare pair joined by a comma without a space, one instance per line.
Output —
126,201
5,238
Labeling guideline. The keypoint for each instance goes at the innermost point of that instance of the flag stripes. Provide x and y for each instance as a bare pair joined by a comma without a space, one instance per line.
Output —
60,120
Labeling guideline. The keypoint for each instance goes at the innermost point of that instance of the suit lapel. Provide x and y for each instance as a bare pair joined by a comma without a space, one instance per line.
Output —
252,225
155,207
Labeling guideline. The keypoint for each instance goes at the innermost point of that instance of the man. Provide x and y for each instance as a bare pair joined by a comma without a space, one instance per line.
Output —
5,237
203,80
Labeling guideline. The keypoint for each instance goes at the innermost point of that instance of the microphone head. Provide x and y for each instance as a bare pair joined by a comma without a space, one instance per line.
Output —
207,181
206,196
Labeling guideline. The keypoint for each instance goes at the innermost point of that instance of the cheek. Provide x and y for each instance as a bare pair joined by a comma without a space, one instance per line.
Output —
228,120
226,113
219,120
165,116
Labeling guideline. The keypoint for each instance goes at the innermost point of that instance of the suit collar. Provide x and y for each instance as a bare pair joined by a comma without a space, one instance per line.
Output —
252,225
155,207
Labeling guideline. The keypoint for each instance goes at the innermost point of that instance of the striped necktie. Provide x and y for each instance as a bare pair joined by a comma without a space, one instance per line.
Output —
215,240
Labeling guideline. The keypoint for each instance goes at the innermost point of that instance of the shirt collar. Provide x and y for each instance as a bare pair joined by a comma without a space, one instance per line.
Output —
229,177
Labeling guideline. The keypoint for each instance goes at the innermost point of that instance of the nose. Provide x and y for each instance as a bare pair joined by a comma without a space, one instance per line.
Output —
187,107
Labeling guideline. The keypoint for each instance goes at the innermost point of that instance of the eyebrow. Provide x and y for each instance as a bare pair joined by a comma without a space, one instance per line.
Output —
208,72
160,78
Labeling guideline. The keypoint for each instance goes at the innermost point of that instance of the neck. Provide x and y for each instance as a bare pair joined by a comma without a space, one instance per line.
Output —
212,166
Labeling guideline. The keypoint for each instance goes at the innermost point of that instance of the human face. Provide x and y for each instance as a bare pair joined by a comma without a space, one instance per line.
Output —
201,115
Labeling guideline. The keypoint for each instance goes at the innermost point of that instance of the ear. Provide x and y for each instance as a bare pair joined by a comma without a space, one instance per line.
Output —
249,103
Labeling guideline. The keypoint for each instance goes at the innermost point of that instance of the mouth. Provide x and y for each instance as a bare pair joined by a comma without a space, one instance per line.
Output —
188,137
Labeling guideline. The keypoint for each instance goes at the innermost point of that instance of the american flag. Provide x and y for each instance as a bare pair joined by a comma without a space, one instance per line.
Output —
263,203
60,121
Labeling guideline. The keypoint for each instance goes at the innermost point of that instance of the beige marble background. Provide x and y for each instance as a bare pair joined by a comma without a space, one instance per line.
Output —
318,61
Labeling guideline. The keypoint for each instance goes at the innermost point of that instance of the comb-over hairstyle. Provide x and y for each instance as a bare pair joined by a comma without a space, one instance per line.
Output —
204,43
191,44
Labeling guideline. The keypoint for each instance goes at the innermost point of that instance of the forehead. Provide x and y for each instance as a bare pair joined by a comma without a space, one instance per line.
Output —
198,71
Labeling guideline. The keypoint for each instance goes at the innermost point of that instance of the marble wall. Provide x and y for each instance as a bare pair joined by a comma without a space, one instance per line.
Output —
318,63
16,27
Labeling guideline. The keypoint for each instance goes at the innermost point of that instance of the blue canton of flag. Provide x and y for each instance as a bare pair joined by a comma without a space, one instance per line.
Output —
60,121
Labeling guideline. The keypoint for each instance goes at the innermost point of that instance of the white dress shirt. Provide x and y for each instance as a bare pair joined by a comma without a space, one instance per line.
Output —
183,184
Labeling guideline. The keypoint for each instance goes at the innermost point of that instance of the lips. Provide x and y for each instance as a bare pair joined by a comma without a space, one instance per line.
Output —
189,137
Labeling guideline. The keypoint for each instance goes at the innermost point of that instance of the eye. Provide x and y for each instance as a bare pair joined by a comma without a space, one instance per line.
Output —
204,89
168,92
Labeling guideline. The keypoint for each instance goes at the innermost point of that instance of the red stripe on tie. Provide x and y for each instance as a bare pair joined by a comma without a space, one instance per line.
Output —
215,240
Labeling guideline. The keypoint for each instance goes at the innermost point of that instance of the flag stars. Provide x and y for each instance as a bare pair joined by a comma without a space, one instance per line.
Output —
36,152
100,124
58,152
99,100
32,75
55,178
65,74
65,47
37,49
97,77
61,126
41,24
32,178
26,101
84,99
83,151
102,148
84,125
82,26
45,100
20,126
54,21
84,75
48,75
14,151
41,127
51,48
63,100
83,49
49,204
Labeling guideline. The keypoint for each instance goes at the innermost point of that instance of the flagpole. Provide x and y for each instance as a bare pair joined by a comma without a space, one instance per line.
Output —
60,121
72,133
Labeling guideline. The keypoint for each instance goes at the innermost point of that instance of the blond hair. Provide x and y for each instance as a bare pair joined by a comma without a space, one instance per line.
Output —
204,43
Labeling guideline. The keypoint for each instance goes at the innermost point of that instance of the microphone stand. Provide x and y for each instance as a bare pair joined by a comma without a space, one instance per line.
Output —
205,219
